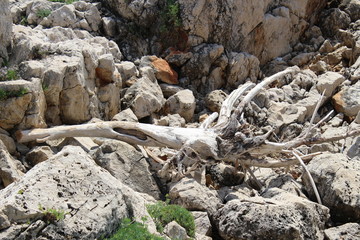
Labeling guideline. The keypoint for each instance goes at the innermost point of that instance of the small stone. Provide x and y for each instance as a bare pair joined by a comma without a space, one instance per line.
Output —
183,103
348,231
301,59
163,71
347,101
125,115
215,99
38,155
175,231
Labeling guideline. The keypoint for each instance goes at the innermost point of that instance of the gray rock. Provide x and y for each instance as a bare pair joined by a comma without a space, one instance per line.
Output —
38,155
63,17
5,29
333,20
183,103
109,26
9,171
169,90
128,165
8,142
193,196
354,150
144,97
353,10
215,99
93,200
348,231
127,70
202,223
125,115
328,82
301,59
174,231
347,100
278,215
337,180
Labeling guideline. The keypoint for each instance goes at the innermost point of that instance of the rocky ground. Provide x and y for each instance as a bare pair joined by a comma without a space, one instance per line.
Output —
173,63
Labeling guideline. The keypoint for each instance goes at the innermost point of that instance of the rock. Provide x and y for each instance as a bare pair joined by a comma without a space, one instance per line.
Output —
353,10
144,97
280,215
301,59
354,150
109,26
319,67
105,70
334,58
169,90
27,108
174,231
326,47
338,185
193,196
183,103
283,113
178,58
215,99
63,17
86,143
39,154
93,200
224,175
347,231
328,82
125,115
333,20
128,165
347,101
175,120
5,30
242,67
163,71
31,69
9,171
127,70
8,142
202,223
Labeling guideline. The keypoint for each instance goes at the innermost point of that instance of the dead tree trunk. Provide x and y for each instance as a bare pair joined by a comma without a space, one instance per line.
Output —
228,140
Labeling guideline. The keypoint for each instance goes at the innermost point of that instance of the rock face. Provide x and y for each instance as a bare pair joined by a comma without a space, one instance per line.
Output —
93,200
279,215
5,30
128,165
338,184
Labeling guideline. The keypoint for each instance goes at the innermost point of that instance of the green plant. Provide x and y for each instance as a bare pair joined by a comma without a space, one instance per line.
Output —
12,74
52,215
131,230
170,16
21,191
41,13
24,21
5,94
44,87
164,213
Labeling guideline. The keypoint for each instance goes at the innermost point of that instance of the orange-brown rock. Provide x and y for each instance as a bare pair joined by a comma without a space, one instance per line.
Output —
163,71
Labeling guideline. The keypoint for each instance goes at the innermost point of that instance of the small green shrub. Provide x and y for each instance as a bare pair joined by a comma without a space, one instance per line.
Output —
5,94
7,74
164,213
52,215
170,16
24,21
41,13
131,230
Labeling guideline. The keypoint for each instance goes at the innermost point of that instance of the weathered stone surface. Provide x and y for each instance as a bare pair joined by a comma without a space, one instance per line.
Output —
347,101
333,20
9,172
39,154
127,70
174,231
354,150
94,200
183,103
128,165
144,97
169,90
125,115
215,99
163,70
301,59
353,9
202,223
328,82
347,232
8,142
279,215
5,29
193,196
337,179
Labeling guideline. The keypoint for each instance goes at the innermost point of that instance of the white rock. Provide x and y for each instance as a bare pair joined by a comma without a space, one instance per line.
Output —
175,231
183,103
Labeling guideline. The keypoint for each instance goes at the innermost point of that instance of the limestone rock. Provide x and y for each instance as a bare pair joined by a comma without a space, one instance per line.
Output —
183,103
242,67
193,196
347,101
70,181
174,231
39,154
202,223
301,59
328,82
333,20
9,172
215,99
128,165
338,184
279,215
347,231
353,10
8,142
169,90
5,29
127,70
125,115
354,150
144,97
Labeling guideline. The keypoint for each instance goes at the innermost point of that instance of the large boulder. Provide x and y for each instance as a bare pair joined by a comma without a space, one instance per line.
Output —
70,182
337,180
5,30
275,215
128,165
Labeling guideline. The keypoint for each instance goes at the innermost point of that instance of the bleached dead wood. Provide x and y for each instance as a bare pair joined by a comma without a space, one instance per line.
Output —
228,140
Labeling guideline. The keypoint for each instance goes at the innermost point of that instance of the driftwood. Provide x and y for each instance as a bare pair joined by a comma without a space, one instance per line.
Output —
229,140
